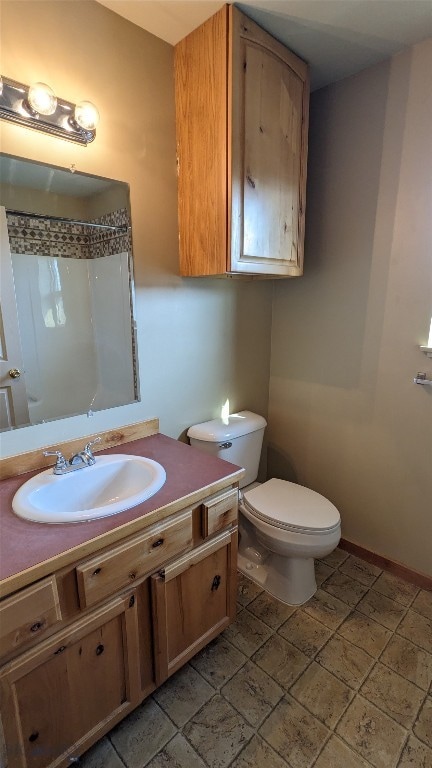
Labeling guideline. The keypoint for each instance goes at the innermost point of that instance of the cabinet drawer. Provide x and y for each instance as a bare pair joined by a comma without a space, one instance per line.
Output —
219,512
28,614
105,574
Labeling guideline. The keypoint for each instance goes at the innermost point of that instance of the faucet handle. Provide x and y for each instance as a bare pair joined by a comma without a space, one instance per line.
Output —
87,447
61,462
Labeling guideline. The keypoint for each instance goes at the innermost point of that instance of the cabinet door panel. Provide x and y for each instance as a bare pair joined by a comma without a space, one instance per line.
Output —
193,602
271,157
63,695
272,95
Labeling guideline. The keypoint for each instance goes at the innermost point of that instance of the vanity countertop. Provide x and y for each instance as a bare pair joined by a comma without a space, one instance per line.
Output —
29,551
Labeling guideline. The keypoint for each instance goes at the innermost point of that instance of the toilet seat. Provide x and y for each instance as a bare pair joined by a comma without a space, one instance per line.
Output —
291,507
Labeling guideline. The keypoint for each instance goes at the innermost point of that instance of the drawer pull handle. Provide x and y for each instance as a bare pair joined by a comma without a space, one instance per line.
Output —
36,626
96,571
131,601
60,650
100,649
157,543
216,583
33,736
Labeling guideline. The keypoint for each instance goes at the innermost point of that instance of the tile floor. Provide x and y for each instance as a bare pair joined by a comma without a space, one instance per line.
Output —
345,681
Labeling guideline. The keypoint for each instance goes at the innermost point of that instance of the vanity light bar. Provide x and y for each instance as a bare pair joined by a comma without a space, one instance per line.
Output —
37,106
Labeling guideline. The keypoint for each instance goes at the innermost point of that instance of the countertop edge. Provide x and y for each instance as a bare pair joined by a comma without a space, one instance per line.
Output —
23,578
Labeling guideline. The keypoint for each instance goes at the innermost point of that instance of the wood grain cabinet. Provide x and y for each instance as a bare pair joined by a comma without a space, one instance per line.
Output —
242,119
85,645
57,697
194,599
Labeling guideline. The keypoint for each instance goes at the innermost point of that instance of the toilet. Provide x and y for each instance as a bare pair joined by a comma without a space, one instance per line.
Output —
283,526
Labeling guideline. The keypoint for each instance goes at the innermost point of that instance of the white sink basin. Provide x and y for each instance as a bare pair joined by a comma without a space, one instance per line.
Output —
114,483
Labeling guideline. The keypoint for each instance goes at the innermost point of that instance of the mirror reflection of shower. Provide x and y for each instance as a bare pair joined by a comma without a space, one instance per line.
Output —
75,329
67,327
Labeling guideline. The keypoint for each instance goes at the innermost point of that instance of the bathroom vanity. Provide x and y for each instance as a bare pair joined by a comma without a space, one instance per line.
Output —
94,616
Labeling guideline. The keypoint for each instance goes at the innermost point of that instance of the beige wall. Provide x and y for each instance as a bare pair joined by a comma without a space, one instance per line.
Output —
345,416
200,341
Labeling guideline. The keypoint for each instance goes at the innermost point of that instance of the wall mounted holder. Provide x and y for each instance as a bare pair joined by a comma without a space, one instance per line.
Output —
422,379
426,350
38,107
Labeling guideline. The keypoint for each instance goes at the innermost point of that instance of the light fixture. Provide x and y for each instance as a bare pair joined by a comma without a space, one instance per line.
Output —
37,106
41,99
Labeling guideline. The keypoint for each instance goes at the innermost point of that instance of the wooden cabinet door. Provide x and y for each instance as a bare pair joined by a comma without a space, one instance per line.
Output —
241,123
60,697
269,132
194,599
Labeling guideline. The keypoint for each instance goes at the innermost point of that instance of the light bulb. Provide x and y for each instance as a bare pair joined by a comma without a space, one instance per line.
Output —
86,115
42,99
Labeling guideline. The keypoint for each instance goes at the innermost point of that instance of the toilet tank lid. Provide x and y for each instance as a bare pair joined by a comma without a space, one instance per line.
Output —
235,425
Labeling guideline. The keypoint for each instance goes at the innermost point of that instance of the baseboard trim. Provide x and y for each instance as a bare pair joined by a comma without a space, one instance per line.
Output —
397,569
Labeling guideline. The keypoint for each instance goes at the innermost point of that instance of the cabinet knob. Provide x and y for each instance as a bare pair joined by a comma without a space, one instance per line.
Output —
14,373
33,736
157,543
100,649
216,583
36,626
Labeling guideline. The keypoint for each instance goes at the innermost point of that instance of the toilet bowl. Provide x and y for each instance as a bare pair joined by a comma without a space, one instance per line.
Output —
283,526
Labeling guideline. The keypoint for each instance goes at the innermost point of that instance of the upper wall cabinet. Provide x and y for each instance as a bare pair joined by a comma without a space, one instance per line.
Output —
242,117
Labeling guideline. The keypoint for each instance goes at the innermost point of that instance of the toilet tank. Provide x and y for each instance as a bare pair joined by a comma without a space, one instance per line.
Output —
238,439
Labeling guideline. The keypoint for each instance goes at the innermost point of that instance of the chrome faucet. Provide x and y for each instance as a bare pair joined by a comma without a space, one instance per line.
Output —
84,458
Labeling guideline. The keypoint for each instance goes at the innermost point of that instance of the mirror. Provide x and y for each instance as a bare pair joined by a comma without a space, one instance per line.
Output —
67,327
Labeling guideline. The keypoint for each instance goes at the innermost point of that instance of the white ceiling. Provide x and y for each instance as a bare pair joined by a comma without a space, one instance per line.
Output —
336,37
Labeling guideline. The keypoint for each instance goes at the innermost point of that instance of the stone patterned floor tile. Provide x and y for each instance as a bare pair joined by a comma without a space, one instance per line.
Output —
335,558
423,726
305,633
327,609
365,633
253,693
344,681
259,754
322,572
344,588
271,611
393,694
324,695
372,734
381,609
178,753
415,755
247,633
409,661
294,733
281,660
346,661
247,590
217,732
102,755
423,603
397,589
183,695
142,734
364,572
218,661
418,629
336,754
